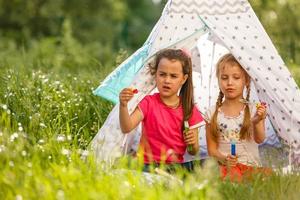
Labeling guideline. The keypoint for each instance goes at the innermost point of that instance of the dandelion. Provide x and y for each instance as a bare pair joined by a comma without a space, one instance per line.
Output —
61,138
1,133
20,128
8,111
29,165
49,157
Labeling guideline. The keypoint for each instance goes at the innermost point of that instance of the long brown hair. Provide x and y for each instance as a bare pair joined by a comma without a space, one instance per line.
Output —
187,91
245,130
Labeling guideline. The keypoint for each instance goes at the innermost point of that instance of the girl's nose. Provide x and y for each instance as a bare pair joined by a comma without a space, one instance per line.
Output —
167,79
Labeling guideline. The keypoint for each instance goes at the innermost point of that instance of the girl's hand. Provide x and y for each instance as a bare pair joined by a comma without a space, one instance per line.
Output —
261,113
230,160
125,96
190,137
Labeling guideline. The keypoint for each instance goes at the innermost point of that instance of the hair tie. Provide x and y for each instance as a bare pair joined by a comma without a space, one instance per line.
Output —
186,52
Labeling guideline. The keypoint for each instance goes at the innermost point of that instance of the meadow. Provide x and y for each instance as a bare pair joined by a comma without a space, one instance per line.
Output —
48,116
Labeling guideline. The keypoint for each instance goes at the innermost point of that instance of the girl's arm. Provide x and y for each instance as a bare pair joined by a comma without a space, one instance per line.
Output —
128,122
212,149
191,138
259,124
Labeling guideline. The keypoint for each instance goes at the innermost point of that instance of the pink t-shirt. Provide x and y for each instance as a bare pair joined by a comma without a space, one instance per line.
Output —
162,134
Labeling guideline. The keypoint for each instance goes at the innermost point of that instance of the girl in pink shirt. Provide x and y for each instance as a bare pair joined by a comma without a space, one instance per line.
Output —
163,114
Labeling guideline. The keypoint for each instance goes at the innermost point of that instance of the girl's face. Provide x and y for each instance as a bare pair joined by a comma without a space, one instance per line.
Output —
169,77
232,80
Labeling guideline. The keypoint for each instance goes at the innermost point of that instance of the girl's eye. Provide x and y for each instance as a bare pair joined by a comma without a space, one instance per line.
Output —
162,75
236,77
173,76
224,77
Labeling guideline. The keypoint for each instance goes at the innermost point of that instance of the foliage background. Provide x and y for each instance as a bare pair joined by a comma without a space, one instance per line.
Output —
52,55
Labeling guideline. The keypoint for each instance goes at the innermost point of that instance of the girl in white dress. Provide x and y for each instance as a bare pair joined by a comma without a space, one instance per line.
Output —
234,126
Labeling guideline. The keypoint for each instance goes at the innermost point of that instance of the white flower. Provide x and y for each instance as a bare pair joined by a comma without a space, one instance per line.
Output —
60,194
41,141
4,107
61,138
65,152
2,148
13,137
19,197
11,163
24,153
43,125
20,128
85,153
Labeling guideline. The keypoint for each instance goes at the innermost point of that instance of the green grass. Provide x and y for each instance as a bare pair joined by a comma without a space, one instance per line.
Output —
48,117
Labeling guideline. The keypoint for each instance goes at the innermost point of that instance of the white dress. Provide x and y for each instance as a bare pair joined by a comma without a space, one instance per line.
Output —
229,127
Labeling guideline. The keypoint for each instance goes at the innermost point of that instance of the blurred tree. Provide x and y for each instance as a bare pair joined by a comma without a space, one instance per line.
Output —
281,20
108,25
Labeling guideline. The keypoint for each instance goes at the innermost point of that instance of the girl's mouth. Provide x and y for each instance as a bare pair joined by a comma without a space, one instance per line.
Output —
166,87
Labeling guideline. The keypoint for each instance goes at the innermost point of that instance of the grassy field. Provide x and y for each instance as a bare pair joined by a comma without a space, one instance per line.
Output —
48,117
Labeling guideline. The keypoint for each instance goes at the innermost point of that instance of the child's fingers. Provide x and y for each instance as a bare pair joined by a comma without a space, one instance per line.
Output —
190,137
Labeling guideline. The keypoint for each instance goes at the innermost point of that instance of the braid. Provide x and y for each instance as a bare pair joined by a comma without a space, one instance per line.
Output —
214,121
245,130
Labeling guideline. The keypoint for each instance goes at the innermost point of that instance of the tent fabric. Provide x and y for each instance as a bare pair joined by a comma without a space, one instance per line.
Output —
209,29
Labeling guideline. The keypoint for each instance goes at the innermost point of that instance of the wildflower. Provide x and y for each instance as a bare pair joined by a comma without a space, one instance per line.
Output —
41,141
20,128
24,153
29,165
85,153
61,138
42,125
65,152
60,194
45,80
2,148
1,134
11,163
4,107
13,137
19,197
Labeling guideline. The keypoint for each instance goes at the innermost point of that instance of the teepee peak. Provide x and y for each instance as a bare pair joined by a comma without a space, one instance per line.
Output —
207,7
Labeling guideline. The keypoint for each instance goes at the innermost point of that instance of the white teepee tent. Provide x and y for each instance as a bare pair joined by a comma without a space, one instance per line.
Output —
209,29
